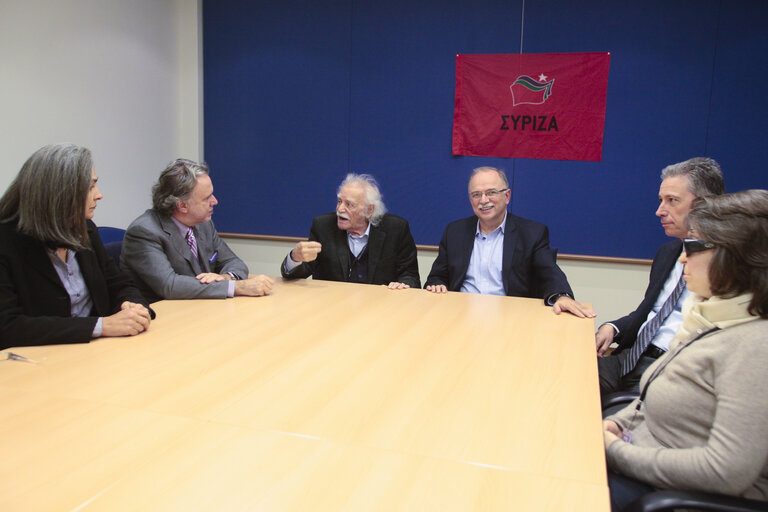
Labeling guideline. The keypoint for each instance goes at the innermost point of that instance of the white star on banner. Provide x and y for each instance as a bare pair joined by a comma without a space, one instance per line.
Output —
542,77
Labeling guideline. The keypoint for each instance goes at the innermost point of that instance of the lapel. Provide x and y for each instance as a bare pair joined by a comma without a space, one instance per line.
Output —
36,256
467,245
203,243
89,268
342,252
376,239
668,265
179,244
510,239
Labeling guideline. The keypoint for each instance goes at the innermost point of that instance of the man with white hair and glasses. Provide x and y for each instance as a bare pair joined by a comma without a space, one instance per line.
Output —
359,243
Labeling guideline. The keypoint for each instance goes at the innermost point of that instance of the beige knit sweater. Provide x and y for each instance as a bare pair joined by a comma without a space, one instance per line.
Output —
704,423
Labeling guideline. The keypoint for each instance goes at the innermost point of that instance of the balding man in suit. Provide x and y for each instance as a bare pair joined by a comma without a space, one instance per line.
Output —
495,252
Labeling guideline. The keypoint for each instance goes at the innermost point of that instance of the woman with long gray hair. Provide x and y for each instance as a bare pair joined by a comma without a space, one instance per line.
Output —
57,283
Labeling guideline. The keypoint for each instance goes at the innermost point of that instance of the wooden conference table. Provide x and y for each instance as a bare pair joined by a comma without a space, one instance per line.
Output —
323,396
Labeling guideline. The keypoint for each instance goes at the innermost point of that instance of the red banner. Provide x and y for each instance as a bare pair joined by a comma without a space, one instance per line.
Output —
546,105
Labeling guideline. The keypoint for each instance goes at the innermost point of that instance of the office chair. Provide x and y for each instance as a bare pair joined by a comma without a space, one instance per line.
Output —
669,500
113,242
108,234
688,500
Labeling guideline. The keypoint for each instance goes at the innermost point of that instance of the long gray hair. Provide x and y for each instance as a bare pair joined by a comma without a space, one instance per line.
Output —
47,198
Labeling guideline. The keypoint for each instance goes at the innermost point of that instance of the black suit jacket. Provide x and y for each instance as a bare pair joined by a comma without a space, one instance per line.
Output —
391,253
34,305
528,264
663,263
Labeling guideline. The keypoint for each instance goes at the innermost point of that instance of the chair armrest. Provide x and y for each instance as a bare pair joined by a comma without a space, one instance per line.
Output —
622,397
669,500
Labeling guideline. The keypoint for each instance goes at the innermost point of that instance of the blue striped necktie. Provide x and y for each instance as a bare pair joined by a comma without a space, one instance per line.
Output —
648,332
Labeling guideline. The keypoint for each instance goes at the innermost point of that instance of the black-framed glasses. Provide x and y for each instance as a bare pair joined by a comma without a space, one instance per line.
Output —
491,193
692,246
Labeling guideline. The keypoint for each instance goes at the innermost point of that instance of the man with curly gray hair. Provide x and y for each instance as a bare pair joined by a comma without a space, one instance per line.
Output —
359,243
173,250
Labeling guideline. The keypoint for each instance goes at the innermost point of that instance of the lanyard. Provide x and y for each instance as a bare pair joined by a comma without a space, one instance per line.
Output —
661,367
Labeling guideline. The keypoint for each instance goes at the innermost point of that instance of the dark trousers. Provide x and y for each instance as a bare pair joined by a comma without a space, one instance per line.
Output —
625,490
609,374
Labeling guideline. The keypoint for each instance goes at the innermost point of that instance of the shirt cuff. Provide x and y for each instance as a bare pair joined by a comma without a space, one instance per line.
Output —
97,328
230,289
290,264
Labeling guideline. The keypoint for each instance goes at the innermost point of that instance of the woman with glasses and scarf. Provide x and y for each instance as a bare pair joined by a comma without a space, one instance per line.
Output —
701,421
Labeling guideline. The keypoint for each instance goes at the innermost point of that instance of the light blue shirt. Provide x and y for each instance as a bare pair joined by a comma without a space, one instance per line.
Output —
358,243
74,283
484,271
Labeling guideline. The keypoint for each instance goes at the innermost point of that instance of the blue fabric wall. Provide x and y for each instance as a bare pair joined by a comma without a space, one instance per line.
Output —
298,93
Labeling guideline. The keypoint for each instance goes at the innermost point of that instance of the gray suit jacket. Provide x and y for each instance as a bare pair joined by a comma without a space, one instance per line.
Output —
158,257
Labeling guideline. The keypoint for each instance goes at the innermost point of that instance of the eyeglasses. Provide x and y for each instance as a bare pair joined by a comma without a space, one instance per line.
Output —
692,246
491,193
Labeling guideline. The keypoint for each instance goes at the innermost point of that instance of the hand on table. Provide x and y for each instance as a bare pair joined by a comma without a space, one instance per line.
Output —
394,285
565,303
255,286
210,277
437,288
130,320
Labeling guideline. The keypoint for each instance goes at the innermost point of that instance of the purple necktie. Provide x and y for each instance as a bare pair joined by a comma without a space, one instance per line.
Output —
192,242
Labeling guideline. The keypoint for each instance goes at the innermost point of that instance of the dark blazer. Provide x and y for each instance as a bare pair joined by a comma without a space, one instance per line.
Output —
528,264
391,253
663,263
34,305
162,265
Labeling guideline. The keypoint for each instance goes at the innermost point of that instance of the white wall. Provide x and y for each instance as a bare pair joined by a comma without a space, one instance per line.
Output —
119,77
124,78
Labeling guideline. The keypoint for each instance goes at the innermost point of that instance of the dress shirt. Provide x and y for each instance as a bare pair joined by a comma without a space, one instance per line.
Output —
675,319
183,228
484,270
358,243
74,283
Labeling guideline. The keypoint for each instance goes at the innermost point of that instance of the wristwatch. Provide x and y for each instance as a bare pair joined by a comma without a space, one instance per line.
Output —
553,298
